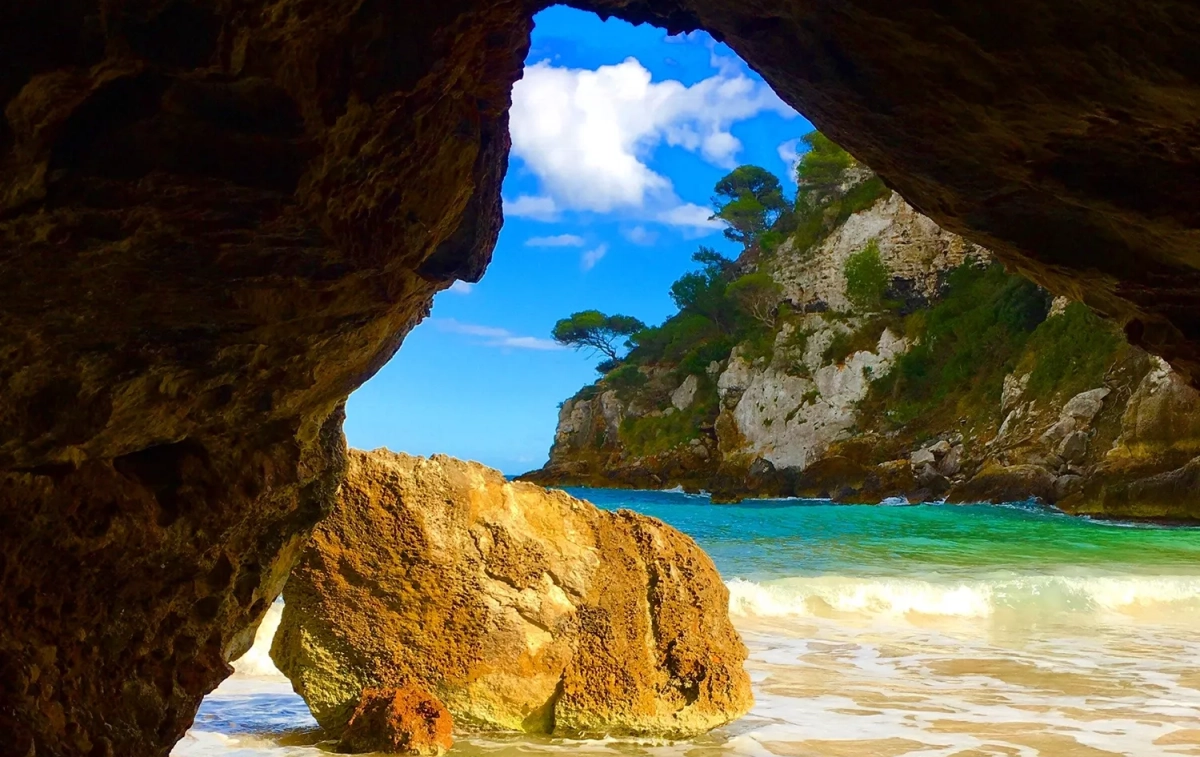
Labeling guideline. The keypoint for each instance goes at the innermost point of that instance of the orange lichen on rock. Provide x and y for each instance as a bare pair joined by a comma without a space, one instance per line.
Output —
404,720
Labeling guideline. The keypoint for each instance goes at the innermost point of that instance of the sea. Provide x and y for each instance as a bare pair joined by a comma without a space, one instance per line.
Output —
877,631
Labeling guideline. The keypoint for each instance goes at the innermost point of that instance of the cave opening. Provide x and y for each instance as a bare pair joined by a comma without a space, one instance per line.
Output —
619,132
217,224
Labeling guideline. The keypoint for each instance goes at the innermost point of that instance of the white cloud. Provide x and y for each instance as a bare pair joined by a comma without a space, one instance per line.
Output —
640,235
530,343
588,136
589,259
461,287
790,156
529,206
494,336
562,240
691,217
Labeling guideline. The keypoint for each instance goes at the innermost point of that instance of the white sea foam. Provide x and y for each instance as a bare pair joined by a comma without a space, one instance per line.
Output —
976,598
257,662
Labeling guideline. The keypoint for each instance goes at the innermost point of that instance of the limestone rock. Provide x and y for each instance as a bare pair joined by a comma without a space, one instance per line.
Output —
922,457
1084,406
1162,417
1167,496
683,397
1012,391
405,720
520,608
1074,447
912,246
951,464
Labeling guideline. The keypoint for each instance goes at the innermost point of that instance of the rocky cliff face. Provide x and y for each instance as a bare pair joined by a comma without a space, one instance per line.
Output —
520,608
933,398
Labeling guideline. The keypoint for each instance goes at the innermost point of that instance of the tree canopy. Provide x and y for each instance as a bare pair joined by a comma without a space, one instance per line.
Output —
758,295
748,199
821,170
703,292
591,329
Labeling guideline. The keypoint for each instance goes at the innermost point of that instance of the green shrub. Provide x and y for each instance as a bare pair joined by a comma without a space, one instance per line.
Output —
697,360
965,345
839,347
769,241
867,278
863,339
586,393
1071,353
652,434
626,381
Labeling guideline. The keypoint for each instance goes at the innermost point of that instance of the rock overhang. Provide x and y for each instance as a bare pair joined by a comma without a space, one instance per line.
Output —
219,218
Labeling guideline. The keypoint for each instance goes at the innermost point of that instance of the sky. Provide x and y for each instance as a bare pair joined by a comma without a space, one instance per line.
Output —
619,134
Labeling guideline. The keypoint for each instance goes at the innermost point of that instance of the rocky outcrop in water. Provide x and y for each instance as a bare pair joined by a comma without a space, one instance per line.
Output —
218,219
404,720
520,608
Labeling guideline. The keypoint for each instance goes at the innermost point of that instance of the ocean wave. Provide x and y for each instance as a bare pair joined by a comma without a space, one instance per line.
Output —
979,598
257,662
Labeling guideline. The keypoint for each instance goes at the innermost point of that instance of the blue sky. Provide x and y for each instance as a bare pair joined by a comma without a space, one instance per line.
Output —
619,134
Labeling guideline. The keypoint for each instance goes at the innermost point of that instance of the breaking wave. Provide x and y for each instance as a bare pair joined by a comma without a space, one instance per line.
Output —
975,598
257,662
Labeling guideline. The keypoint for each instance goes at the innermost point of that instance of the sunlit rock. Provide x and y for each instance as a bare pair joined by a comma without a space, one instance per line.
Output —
520,608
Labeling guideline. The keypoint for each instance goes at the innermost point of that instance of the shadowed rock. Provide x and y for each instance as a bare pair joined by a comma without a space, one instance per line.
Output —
521,608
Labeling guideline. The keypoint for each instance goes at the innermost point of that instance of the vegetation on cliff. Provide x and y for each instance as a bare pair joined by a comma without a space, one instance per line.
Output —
725,302
856,351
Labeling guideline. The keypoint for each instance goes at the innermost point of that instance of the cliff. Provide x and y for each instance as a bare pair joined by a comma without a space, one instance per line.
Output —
958,380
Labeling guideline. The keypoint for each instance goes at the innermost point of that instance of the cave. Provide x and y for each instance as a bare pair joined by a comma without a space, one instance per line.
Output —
218,219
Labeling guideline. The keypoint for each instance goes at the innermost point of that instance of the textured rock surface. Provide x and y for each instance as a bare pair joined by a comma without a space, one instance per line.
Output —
913,247
520,608
791,420
404,720
218,218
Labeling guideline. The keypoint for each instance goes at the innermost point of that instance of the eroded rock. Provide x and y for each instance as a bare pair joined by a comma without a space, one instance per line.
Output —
404,720
1012,483
520,608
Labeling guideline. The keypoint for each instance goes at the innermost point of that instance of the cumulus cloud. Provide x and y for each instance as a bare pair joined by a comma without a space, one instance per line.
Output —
790,155
589,259
588,136
494,336
692,218
529,206
461,287
561,240
640,235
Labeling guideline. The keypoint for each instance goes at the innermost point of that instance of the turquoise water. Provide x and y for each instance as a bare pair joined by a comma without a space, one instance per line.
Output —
782,538
928,630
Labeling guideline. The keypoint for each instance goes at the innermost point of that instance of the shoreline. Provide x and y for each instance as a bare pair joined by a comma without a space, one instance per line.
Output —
1037,503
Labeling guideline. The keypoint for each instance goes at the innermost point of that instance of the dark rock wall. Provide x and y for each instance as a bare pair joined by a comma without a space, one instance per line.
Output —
218,217
216,220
